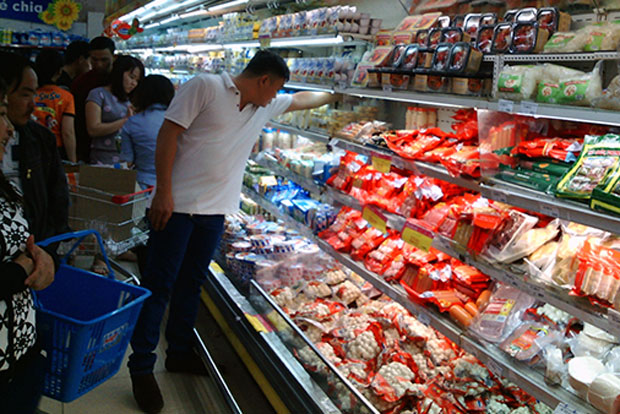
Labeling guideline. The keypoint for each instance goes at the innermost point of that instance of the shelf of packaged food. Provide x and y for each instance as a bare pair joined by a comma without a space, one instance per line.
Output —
315,136
275,211
561,112
436,99
263,348
496,360
417,167
533,200
12,46
367,406
273,165
577,307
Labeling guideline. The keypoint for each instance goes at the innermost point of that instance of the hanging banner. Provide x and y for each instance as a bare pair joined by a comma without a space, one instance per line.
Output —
25,10
59,13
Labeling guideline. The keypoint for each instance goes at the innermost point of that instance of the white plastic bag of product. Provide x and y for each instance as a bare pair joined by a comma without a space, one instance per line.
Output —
555,369
558,73
611,96
529,242
565,42
601,36
582,90
519,82
502,314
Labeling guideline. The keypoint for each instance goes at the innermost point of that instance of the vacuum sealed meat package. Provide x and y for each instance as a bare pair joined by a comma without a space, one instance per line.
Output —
502,314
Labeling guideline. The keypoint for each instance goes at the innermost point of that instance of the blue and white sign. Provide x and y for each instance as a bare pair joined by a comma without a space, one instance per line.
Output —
26,10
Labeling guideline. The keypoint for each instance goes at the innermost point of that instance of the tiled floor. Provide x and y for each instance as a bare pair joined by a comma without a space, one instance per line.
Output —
183,394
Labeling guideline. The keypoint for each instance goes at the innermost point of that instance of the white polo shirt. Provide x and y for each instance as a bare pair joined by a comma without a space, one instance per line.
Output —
212,152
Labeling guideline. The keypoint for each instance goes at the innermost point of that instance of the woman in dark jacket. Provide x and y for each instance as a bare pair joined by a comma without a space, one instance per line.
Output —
22,366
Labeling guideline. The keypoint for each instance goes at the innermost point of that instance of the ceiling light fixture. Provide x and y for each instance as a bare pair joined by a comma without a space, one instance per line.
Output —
227,5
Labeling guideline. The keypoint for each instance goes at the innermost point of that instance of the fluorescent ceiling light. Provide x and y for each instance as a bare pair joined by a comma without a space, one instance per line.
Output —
307,42
177,6
150,26
169,19
194,13
227,5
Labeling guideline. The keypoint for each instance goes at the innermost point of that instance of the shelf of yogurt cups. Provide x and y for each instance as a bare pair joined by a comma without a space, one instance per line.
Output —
243,27
287,282
36,38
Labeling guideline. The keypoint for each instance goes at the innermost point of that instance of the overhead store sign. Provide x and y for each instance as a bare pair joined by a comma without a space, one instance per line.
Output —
27,10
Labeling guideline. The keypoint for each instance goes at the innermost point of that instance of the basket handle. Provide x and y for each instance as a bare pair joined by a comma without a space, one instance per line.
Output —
81,235
122,199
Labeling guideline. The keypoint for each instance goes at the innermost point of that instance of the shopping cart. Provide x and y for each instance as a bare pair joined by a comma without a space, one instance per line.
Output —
119,218
85,322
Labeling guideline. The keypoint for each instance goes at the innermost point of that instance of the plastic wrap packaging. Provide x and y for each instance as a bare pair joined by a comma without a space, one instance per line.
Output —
527,341
519,82
582,371
555,367
604,393
528,38
502,314
502,38
565,42
484,41
611,96
600,36
528,243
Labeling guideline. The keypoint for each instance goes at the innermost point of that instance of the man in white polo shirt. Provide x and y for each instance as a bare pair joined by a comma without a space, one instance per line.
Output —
202,147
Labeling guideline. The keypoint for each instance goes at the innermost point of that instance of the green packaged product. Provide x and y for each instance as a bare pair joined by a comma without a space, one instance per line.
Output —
599,159
530,179
606,196
545,167
548,91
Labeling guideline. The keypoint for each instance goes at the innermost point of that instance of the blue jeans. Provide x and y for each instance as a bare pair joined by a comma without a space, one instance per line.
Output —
177,264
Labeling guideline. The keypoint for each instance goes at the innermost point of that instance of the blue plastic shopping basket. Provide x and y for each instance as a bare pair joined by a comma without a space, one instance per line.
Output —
85,322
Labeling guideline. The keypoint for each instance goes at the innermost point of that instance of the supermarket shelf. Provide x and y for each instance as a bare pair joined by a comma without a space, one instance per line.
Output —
497,361
270,207
12,46
417,167
562,112
308,87
577,307
273,165
436,99
315,136
555,207
562,57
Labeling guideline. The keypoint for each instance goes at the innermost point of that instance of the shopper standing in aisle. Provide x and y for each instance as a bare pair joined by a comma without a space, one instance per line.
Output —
139,134
22,367
32,162
54,107
76,63
202,147
101,55
108,108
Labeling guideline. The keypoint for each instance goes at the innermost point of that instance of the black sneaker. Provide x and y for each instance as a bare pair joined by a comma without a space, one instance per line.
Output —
189,363
147,393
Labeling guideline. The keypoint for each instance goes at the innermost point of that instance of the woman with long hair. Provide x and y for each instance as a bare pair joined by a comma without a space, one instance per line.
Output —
109,107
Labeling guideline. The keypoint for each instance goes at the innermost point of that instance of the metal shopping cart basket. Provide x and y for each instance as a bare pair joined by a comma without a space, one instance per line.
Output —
118,217
85,321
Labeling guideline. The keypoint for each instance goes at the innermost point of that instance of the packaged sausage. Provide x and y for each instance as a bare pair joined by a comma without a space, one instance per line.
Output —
464,59
606,196
454,35
528,38
528,340
553,20
484,42
441,57
502,314
502,38
434,38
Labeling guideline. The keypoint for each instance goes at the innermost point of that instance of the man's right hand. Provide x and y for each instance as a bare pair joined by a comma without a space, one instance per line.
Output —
161,210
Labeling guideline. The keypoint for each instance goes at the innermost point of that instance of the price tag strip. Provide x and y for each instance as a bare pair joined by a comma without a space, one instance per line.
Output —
381,163
505,105
417,236
376,219
529,108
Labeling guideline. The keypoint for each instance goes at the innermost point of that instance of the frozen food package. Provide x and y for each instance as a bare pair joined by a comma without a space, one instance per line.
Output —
553,20
582,90
527,341
518,82
529,242
441,57
559,73
611,96
565,42
454,35
597,159
502,314
502,38
511,229
434,38
528,38
600,36
484,41
464,59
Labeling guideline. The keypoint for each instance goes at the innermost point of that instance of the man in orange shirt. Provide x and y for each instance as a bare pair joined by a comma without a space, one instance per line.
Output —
55,108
